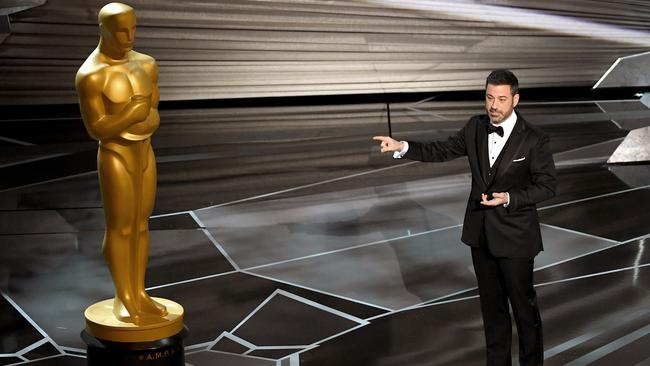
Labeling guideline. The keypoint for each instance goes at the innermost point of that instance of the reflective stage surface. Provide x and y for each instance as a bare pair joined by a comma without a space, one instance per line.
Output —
290,240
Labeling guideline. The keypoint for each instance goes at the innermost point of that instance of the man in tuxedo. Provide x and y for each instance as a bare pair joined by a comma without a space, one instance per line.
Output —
512,170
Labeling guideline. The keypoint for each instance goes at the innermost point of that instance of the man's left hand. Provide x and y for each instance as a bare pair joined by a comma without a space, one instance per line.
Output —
498,198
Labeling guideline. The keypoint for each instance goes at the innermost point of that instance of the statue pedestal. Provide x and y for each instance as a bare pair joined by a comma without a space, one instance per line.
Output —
115,343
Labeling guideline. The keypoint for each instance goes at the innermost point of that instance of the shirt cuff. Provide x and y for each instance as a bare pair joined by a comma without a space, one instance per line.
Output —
399,154
507,197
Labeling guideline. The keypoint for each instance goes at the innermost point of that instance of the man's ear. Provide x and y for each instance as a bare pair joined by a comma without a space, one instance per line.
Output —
515,100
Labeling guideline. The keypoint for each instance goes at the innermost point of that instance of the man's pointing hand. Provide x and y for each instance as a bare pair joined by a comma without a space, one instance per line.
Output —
388,144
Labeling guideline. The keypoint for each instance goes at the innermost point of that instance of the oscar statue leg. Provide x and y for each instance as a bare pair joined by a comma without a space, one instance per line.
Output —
148,305
131,317
131,329
117,192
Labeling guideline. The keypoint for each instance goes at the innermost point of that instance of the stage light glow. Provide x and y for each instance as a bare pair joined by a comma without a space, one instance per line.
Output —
522,18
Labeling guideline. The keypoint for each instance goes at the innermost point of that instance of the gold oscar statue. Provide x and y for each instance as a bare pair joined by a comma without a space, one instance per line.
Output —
118,99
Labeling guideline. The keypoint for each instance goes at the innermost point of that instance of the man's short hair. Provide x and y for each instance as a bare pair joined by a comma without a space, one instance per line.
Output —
503,77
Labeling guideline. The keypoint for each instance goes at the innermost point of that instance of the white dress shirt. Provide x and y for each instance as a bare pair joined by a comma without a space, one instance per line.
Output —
496,142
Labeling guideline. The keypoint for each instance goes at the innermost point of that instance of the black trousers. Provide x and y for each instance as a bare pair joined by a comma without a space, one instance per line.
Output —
501,280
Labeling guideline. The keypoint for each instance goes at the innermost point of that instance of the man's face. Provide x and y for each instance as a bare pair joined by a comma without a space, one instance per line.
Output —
121,31
499,102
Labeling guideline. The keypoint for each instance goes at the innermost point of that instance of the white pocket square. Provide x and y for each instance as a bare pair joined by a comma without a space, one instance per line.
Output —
518,160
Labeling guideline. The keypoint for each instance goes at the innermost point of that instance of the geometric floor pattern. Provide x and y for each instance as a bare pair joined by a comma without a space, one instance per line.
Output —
291,241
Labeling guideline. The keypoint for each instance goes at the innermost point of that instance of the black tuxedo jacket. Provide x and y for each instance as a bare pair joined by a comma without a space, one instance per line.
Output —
524,169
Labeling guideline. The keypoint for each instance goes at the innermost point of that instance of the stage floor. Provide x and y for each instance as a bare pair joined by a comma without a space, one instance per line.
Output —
291,241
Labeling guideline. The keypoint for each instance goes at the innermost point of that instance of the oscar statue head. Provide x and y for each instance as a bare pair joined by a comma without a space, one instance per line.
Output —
116,29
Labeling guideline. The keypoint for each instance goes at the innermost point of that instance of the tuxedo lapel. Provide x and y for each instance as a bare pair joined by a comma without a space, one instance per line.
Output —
482,151
510,149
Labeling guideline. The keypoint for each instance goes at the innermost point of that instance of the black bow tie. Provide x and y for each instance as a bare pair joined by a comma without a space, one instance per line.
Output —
492,128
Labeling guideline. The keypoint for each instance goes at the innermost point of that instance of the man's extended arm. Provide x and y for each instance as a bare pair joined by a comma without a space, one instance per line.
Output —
436,151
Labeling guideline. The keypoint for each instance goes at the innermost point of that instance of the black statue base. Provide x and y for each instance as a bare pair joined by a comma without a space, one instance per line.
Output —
163,352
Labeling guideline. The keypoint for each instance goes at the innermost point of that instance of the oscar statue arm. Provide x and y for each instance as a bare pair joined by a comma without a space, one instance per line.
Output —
98,122
154,117
155,97
151,123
